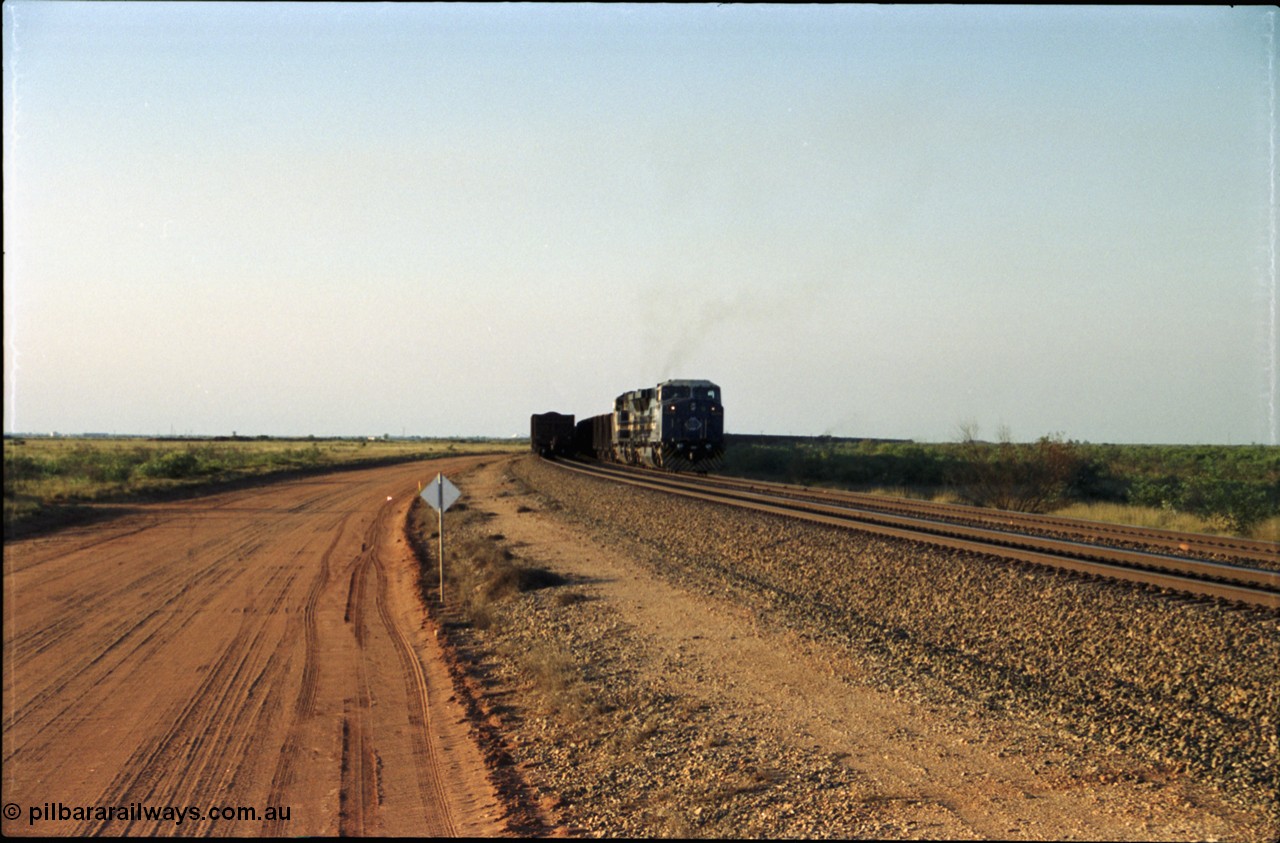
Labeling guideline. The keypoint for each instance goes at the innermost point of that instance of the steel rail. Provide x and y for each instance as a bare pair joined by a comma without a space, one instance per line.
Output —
1178,542
1238,547
1250,586
1241,548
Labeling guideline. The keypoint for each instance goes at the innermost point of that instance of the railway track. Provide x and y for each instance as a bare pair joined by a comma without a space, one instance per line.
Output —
1225,548
1230,549
1083,554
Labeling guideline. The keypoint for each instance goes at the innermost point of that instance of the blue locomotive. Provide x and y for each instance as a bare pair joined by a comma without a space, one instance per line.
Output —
677,425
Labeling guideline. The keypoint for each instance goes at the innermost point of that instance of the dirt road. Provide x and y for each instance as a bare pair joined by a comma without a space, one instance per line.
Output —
259,650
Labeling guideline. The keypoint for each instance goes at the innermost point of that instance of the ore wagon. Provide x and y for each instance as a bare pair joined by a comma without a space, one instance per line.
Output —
551,434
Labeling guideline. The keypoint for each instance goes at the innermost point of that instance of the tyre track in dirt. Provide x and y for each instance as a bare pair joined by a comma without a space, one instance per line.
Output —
427,763
208,740
358,798
255,648
364,786
304,705
132,640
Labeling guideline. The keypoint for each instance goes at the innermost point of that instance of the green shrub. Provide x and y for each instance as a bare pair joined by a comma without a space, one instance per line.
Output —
22,468
1034,477
174,465
1239,504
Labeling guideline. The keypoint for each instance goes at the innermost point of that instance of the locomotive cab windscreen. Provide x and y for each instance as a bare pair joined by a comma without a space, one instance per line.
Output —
672,392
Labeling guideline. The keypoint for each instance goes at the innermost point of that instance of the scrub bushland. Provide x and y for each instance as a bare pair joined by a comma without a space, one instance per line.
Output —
1224,489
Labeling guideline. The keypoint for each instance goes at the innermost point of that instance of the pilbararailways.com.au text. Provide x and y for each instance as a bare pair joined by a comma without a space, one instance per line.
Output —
137,812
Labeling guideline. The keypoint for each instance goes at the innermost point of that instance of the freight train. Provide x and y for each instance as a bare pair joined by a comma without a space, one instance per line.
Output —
677,425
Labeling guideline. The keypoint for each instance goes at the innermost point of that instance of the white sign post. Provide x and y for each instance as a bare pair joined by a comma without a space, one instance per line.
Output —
440,495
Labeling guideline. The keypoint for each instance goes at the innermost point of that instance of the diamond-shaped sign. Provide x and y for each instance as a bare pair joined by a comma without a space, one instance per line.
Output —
440,493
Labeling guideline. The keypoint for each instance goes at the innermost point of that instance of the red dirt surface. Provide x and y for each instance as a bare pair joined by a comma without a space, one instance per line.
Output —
260,649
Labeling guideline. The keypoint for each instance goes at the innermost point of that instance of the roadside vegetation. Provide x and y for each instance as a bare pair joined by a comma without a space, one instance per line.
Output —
480,574
53,481
1218,489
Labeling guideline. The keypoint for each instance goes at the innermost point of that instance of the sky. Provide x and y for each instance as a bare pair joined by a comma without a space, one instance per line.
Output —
438,219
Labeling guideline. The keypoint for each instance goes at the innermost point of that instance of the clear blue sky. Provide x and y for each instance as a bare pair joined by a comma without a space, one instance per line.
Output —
437,219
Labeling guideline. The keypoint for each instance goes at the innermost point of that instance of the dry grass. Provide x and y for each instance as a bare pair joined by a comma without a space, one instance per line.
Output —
557,677
1165,519
930,495
1268,530
480,574
1119,513
50,481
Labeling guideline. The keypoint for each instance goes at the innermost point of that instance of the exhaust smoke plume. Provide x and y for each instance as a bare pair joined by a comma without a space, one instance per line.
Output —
682,325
